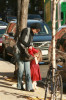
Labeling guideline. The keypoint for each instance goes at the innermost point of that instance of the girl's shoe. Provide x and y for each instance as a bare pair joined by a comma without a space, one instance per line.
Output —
32,90
36,87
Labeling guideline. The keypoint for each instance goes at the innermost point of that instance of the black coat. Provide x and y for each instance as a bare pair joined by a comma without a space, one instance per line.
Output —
23,43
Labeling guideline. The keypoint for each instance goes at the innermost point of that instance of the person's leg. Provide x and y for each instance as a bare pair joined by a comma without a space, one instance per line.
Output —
20,74
28,76
33,84
36,85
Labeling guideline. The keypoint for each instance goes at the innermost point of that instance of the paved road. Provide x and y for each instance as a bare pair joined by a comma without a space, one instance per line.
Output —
8,92
44,69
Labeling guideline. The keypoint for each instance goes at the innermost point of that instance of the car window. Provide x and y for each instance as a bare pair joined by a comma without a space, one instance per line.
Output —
60,28
44,30
9,18
47,31
3,23
2,31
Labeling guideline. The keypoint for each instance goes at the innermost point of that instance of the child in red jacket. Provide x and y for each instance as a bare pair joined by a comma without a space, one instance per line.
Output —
34,66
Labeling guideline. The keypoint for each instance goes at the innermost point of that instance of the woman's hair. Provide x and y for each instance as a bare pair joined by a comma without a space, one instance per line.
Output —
35,26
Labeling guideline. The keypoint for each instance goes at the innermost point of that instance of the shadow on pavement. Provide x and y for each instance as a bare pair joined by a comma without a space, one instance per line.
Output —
41,83
8,74
17,95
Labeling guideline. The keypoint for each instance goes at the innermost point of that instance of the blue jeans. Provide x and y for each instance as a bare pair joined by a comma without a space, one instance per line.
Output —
21,67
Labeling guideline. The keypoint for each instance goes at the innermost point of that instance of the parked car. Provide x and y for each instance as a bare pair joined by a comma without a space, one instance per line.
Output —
40,41
35,17
60,42
30,17
63,26
2,31
3,24
10,18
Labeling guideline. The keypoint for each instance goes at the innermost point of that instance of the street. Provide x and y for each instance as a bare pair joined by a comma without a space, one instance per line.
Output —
44,69
25,24
7,89
8,92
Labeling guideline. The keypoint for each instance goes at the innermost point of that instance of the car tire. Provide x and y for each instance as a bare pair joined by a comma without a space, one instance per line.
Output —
4,53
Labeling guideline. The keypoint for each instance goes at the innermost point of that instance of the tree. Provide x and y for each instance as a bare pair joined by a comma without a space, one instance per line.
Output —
53,39
22,13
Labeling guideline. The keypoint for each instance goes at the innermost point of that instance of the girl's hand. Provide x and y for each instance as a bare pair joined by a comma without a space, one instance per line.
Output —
35,55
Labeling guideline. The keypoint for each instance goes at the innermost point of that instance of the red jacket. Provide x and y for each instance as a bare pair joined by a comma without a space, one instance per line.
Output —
32,51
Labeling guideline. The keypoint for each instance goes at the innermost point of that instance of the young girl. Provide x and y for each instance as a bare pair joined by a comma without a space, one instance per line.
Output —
34,66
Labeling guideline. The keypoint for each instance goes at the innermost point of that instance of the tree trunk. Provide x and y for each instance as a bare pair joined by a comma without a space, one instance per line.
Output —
53,34
24,14
18,19
21,22
53,42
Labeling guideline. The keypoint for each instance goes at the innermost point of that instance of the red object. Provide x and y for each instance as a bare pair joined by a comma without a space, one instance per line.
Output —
35,70
1,49
11,28
32,51
58,36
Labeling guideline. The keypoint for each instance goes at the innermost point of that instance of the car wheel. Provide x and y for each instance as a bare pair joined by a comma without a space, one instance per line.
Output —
4,54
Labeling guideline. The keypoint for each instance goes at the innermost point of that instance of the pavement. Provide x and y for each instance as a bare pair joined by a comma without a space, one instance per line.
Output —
8,89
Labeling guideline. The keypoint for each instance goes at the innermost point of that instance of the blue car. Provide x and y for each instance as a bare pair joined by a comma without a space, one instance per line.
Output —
3,23
34,17
41,40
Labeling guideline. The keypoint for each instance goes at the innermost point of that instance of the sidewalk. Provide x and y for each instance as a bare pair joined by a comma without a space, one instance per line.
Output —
8,92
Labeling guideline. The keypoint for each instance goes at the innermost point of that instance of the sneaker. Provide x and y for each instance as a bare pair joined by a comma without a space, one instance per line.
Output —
32,90
22,89
36,87
14,85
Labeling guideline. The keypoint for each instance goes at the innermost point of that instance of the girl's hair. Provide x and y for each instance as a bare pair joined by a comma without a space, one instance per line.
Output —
39,55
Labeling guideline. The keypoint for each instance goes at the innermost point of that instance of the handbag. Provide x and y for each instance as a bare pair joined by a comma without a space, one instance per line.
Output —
24,53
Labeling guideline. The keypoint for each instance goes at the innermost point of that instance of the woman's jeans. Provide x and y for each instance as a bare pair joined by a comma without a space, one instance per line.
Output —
21,67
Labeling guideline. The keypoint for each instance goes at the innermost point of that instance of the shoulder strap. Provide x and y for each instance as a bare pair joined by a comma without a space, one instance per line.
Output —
27,36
